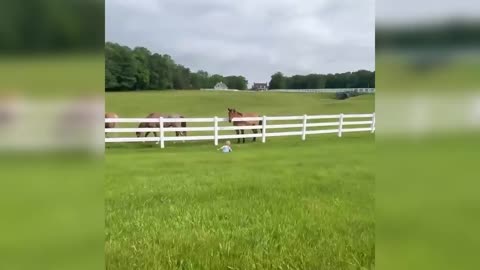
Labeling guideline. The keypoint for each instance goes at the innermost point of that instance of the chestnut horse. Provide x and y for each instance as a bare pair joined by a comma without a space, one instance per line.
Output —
110,115
165,125
233,113
110,125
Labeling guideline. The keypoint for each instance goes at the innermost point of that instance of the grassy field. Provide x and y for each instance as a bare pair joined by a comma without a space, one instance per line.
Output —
209,104
286,204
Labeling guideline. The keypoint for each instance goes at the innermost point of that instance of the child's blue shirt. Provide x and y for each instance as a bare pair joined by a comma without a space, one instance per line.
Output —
226,149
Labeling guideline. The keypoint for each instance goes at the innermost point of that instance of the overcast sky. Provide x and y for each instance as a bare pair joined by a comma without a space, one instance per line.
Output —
253,38
408,12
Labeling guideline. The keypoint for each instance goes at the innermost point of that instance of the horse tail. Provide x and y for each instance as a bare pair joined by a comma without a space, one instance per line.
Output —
260,123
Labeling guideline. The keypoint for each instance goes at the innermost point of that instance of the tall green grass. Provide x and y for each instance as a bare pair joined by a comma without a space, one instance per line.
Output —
286,204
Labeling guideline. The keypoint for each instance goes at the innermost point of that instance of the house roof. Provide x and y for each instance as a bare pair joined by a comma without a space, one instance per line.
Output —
220,85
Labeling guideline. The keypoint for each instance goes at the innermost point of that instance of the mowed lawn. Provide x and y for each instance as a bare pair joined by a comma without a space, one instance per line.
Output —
209,103
285,204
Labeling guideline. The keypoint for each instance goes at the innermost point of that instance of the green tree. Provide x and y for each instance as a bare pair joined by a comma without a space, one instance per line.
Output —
214,79
139,69
236,82
142,64
181,78
120,66
51,26
330,81
203,77
371,82
358,79
161,72
277,81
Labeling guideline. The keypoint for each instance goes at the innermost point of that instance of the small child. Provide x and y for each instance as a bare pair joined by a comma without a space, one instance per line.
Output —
226,148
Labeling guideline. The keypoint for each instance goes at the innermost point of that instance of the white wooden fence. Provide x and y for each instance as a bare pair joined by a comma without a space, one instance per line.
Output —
322,90
342,124
326,90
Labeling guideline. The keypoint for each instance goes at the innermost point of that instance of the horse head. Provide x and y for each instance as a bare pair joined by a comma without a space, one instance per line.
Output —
231,114
182,124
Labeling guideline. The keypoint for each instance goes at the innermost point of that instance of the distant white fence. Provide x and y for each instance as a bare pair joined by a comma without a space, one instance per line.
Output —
212,89
342,124
325,90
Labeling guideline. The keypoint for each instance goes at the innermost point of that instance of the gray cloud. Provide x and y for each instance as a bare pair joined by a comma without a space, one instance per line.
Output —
409,12
250,37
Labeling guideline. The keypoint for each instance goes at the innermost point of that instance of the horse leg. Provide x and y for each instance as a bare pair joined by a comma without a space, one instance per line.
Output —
243,133
176,135
182,133
238,132
155,134
254,132
146,134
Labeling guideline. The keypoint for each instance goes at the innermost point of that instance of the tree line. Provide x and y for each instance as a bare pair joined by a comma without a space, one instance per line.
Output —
51,26
139,69
454,34
358,79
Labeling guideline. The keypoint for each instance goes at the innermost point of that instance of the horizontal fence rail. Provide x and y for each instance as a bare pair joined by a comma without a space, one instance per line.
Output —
325,90
304,125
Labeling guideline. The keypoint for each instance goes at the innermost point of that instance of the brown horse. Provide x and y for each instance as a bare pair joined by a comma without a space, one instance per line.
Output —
110,125
232,113
165,125
110,115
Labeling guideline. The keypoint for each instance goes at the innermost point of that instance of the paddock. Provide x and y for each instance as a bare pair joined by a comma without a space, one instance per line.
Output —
341,123
289,203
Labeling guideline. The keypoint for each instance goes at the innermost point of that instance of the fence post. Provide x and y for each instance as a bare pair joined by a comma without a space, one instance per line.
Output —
215,130
162,134
304,129
340,125
264,129
373,122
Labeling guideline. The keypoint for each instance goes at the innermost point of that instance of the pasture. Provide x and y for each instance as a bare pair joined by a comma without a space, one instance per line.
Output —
286,204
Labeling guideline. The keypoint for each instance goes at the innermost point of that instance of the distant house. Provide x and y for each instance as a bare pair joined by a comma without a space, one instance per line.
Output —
260,86
220,86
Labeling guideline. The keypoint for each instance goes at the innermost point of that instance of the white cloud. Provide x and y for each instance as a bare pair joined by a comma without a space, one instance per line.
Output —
251,38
